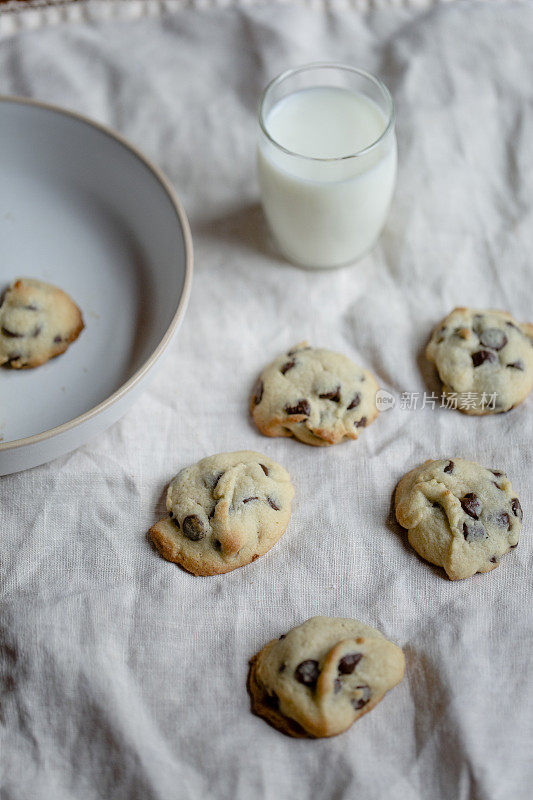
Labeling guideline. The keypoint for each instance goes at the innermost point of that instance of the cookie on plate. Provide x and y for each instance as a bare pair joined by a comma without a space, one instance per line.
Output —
224,512
459,515
317,396
485,356
37,322
320,677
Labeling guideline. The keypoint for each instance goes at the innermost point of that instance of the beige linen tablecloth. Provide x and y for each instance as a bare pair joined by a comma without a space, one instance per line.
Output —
122,677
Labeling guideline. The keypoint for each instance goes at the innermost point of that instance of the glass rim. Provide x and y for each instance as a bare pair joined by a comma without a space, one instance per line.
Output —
329,65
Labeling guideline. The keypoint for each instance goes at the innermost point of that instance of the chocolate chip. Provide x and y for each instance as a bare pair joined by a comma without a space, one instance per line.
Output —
517,508
471,505
496,472
287,366
363,700
272,700
484,355
503,519
512,546
473,532
337,685
519,364
11,334
258,393
301,407
248,499
355,402
307,672
31,307
265,469
449,466
361,423
36,331
493,560
57,339
334,396
170,514
282,668
272,504
193,528
493,338
283,635
217,545
348,663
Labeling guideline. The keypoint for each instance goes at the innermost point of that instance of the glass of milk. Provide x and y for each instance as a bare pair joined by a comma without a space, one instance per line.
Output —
326,162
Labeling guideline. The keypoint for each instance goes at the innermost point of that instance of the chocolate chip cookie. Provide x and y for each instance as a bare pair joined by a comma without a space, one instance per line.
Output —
484,355
224,512
315,395
37,322
459,515
320,677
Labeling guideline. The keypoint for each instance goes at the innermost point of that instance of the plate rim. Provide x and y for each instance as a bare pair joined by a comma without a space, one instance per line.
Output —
187,284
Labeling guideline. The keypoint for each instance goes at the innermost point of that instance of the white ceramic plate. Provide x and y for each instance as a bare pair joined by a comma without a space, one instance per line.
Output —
84,210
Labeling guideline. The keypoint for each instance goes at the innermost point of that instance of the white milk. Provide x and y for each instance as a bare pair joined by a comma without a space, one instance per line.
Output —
325,213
